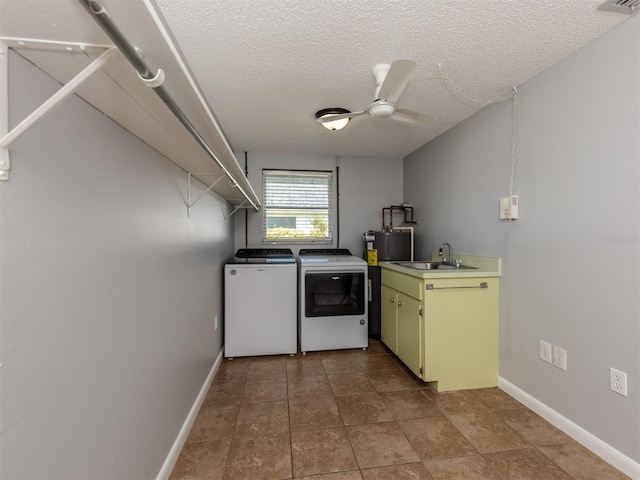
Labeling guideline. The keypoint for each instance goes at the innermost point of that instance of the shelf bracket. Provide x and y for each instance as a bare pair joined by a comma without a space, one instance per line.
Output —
5,162
241,206
189,202
8,137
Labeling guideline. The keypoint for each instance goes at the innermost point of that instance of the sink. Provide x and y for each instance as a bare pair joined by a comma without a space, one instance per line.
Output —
420,265
453,266
434,266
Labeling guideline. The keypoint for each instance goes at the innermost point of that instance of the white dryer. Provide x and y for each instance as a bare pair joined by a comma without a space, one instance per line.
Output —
332,300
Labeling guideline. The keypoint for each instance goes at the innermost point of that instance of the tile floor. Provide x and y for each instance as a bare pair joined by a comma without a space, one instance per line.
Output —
360,415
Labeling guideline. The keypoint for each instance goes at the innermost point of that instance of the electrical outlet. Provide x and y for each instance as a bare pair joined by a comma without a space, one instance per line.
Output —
618,381
545,351
216,322
560,358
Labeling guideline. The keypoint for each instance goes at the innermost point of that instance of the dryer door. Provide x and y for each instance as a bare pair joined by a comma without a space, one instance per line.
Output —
330,294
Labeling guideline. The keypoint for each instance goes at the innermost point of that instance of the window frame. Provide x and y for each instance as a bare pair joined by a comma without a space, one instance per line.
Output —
329,175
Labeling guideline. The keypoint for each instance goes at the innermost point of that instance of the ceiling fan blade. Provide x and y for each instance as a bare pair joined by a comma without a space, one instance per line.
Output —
331,118
410,116
396,80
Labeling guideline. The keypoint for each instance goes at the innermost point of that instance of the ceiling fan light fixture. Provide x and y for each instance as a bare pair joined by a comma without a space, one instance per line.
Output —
621,6
336,124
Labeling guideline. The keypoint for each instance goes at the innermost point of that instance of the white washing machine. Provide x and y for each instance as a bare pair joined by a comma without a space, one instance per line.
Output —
332,300
260,303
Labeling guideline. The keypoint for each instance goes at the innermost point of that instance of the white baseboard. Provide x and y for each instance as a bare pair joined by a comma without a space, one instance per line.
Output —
176,448
626,465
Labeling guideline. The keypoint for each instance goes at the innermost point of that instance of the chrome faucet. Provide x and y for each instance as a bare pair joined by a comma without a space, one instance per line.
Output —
445,259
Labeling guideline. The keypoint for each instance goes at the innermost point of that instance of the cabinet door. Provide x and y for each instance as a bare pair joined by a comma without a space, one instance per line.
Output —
389,317
410,333
461,333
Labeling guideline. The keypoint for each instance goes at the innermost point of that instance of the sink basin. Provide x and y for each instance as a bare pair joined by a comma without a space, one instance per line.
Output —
434,266
453,266
421,265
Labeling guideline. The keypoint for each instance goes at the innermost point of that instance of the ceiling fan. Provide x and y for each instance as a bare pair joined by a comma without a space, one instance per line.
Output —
391,81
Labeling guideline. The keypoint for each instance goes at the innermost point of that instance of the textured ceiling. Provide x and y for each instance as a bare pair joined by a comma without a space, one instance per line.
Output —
266,67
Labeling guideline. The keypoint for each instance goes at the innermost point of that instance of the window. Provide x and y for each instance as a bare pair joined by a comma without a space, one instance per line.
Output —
297,207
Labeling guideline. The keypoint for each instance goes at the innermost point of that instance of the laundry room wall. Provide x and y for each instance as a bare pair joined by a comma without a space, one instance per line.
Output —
570,263
108,294
366,185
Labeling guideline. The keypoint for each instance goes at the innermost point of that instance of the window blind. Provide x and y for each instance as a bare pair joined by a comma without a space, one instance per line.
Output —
297,206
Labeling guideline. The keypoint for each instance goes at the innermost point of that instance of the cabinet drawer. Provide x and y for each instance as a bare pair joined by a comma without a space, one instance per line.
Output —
407,284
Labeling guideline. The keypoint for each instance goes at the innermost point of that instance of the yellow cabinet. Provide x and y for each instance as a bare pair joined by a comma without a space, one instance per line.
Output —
389,317
410,333
401,328
444,329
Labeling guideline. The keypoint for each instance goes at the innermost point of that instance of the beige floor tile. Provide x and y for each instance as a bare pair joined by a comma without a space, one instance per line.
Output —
213,423
391,380
312,413
321,451
268,359
262,419
454,403
494,398
580,463
418,381
312,386
202,460
377,346
272,417
349,475
372,349
224,394
380,444
369,363
436,437
487,432
527,464
266,368
265,457
533,428
408,471
302,366
350,384
232,371
461,468
333,353
262,391
363,408
335,364
408,404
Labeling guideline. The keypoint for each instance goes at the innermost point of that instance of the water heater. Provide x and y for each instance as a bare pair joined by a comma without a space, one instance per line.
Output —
391,245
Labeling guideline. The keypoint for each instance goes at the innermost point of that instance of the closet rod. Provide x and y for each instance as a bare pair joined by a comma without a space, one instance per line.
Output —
100,14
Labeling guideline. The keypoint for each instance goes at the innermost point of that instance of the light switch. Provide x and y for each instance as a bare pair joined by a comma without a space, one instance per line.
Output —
509,208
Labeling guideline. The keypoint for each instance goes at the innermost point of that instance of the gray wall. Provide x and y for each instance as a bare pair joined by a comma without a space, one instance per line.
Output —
366,186
571,262
107,297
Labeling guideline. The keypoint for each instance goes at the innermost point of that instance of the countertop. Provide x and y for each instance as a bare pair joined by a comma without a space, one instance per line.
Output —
486,267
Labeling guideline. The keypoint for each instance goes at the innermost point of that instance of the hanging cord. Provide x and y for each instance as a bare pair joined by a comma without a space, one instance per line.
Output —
484,101
513,141
461,93
337,201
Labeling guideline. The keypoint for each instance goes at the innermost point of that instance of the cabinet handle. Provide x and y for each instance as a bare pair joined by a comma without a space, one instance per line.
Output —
430,286
399,304
391,300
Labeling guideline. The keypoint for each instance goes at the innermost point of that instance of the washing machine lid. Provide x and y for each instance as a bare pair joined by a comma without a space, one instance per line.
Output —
263,255
328,258
324,252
